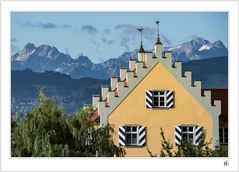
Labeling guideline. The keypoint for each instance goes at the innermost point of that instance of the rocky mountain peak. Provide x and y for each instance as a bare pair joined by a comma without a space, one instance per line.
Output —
83,60
46,51
28,48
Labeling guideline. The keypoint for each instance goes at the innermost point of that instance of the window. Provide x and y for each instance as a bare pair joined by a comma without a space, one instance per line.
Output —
132,135
223,135
159,99
190,133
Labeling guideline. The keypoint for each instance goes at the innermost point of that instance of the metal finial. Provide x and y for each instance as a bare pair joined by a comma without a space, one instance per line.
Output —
141,49
158,39
157,22
140,30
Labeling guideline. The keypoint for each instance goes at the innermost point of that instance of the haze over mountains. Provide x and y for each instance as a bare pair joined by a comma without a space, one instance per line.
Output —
48,58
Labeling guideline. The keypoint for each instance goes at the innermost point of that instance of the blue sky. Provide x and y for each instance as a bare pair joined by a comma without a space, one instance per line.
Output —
101,36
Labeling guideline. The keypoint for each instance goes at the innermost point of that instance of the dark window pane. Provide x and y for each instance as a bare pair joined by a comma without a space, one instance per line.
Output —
225,134
156,98
134,138
134,129
185,129
128,138
161,103
190,129
190,135
161,93
221,140
128,129
134,141
220,130
225,129
161,99
226,140
156,93
185,136
156,104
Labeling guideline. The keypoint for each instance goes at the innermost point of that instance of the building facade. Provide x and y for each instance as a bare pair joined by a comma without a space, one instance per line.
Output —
153,94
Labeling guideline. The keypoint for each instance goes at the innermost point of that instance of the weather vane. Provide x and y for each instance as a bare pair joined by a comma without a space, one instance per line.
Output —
157,22
140,30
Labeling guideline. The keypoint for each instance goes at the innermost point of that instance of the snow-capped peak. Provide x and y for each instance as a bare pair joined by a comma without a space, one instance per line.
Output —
205,47
197,48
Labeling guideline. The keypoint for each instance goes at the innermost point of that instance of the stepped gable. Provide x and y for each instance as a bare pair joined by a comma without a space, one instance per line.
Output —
130,77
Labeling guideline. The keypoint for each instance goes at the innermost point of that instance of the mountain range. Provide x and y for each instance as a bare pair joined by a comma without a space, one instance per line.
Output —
69,93
198,49
48,58
73,93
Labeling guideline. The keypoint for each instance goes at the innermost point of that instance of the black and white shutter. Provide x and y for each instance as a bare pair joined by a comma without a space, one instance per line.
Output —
169,99
142,135
198,134
149,99
178,135
121,136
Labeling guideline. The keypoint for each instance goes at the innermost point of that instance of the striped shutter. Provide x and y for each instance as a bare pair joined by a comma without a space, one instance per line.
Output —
169,99
178,135
198,134
142,135
121,136
149,99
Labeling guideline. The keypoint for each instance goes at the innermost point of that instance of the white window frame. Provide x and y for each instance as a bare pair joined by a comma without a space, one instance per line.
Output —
223,135
132,132
158,96
189,132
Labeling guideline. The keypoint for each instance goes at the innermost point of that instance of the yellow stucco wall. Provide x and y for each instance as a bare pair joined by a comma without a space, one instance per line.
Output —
133,111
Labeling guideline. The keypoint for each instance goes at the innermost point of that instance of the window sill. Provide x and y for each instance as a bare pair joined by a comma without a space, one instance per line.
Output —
223,143
160,108
134,146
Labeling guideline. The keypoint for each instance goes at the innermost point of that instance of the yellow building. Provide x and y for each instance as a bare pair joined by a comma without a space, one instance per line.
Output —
152,94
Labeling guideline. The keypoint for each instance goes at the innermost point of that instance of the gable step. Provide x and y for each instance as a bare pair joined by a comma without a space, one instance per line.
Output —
104,91
95,100
123,71
177,69
132,64
187,79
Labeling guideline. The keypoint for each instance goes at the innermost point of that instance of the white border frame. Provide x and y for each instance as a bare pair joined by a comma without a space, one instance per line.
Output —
111,164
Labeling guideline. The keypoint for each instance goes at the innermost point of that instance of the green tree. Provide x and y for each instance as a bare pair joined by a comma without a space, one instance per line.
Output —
14,121
91,139
189,150
43,131
47,131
